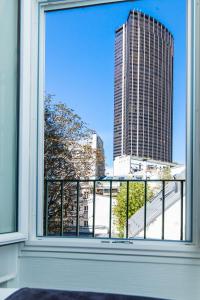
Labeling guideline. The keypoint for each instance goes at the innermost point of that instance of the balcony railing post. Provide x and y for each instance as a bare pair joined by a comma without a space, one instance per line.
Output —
145,209
127,207
94,208
181,233
46,208
61,207
110,215
77,209
163,209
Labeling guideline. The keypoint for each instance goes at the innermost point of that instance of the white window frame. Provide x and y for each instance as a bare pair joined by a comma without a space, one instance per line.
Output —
32,90
23,162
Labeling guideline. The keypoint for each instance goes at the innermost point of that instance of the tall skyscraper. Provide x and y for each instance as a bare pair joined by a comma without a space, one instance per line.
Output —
143,95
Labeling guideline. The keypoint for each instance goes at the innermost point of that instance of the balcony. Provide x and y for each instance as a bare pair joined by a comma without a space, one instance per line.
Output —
125,209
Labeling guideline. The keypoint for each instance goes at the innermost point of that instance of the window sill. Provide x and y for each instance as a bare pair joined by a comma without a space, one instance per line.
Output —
137,251
12,238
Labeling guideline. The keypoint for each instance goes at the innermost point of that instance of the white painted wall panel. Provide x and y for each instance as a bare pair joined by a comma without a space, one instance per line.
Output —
170,281
8,262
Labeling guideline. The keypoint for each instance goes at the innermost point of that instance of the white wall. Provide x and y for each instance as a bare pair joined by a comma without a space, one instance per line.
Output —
170,281
8,264
172,225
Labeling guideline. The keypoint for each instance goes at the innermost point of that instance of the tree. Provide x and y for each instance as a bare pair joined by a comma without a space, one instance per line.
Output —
135,202
68,154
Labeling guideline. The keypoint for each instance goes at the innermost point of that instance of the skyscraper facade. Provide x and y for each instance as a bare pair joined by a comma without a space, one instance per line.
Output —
143,92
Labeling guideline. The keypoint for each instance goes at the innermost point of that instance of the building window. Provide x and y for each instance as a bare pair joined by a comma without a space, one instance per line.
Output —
85,223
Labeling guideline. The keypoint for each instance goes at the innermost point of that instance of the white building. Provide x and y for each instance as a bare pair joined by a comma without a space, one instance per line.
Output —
132,166
98,166
154,215
88,157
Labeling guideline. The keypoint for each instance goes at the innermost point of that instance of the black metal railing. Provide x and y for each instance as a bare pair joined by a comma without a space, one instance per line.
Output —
62,196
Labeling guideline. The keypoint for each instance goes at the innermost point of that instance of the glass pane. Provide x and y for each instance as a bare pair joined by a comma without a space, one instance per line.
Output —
8,114
115,112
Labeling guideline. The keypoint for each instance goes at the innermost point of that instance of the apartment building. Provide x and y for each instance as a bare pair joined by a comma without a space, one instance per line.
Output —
143,92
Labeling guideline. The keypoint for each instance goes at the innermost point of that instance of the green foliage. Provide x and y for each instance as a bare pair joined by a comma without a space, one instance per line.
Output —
136,201
165,174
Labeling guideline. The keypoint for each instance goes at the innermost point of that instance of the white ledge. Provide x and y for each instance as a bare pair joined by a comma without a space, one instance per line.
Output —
138,251
11,238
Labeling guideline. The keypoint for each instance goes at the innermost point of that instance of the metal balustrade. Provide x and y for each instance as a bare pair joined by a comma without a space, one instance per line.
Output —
64,198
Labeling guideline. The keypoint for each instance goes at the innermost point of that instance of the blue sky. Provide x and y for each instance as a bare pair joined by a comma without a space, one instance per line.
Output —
80,63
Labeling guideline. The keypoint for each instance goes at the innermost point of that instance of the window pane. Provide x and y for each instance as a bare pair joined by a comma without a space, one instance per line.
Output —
8,114
115,87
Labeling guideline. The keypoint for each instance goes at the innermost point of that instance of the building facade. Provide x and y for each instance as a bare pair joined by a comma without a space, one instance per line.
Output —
98,165
143,91
139,168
